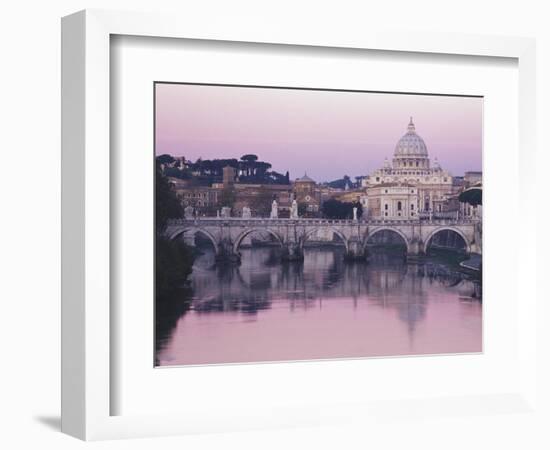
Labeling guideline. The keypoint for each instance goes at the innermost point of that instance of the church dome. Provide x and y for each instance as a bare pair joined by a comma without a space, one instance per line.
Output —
411,145
305,179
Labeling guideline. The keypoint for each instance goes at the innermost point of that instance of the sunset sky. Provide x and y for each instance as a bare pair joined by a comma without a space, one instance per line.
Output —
326,133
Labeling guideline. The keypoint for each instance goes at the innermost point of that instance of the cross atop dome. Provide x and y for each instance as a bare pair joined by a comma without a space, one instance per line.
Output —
411,125
305,179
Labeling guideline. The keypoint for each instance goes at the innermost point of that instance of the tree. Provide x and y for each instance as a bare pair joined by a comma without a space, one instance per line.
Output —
173,259
228,197
173,264
249,158
167,204
335,209
342,183
260,203
472,196
165,159
359,207
302,209
182,174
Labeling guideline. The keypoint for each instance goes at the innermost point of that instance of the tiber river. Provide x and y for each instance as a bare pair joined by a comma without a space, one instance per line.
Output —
264,310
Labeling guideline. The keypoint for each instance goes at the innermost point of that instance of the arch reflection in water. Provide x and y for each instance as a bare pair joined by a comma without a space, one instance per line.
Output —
320,308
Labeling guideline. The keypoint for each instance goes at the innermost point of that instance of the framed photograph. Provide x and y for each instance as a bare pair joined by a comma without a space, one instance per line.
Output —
266,228
275,267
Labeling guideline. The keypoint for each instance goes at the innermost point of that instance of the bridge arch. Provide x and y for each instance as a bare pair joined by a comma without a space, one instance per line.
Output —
443,228
392,229
341,235
206,233
248,231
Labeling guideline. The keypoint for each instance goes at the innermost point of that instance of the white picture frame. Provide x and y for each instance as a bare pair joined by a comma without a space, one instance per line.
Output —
86,218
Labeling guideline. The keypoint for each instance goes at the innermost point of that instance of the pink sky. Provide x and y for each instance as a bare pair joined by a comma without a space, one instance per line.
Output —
326,133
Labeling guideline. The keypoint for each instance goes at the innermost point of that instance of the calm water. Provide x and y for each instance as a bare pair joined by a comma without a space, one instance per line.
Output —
323,308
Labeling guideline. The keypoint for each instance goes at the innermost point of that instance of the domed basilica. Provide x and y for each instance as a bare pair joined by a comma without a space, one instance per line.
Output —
410,167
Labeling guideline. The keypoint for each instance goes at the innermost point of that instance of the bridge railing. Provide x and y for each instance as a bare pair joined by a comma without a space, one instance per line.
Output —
259,221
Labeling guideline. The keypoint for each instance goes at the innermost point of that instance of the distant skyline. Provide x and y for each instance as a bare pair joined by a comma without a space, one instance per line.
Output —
327,134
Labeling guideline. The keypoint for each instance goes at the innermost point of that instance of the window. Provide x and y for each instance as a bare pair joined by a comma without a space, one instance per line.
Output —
412,206
399,206
377,178
386,214
386,208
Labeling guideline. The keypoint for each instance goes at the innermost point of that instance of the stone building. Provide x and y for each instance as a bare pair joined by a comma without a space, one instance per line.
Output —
392,201
349,196
307,193
207,200
259,198
411,166
202,198
472,178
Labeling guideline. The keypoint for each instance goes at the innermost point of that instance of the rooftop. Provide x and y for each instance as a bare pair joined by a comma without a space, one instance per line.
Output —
305,179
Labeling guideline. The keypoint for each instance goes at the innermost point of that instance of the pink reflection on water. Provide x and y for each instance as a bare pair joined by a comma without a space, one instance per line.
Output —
440,322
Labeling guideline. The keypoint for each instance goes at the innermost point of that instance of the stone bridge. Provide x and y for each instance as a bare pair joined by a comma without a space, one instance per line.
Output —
227,234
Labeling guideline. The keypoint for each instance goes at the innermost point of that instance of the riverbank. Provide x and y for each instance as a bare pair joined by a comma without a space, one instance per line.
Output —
473,263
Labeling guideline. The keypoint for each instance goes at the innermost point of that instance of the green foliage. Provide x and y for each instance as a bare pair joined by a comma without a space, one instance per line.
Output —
182,174
174,263
260,204
165,159
167,204
342,183
228,197
174,259
335,209
208,171
472,196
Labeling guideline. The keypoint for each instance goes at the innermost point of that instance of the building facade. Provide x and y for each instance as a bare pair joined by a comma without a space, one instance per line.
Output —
392,201
208,200
308,195
410,169
472,178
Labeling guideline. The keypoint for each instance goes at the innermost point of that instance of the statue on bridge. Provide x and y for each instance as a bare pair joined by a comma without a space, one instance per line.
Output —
294,210
226,212
465,236
188,212
355,213
274,210
247,214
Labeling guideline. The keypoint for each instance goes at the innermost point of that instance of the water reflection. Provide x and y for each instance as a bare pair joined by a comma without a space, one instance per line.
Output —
263,310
